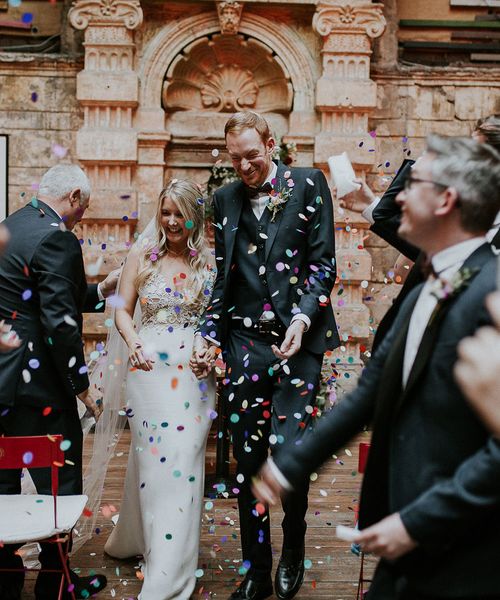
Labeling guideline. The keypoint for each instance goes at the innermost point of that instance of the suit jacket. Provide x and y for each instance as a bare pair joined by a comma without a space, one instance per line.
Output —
302,237
387,214
431,458
43,292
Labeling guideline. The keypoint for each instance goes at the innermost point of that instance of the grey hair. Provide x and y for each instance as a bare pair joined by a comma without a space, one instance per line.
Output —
60,180
473,170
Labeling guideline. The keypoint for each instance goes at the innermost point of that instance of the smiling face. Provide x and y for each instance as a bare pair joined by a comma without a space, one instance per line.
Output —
420,201
173,224
251,157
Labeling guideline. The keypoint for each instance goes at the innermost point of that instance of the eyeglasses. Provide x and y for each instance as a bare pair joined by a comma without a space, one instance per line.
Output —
411,180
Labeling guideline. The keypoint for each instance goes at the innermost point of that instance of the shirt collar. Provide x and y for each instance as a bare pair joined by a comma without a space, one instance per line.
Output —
272,173
452,258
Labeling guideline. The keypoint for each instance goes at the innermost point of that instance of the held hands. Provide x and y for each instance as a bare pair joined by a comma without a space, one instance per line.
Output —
202,357
138,358
92,399
8,338
292,342
358,200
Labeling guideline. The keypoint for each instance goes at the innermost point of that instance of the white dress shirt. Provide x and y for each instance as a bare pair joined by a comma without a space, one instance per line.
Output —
446,264
259,202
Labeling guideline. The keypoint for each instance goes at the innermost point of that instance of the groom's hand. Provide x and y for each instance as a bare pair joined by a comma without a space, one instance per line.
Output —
292,342
202,358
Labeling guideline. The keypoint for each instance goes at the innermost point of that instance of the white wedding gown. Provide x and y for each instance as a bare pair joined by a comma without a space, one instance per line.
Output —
169,414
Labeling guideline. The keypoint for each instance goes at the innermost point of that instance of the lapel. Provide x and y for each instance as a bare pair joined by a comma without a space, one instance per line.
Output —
475,262
393,367
273,226
232,213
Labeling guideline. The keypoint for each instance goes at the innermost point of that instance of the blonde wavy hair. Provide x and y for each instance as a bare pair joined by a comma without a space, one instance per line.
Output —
188,198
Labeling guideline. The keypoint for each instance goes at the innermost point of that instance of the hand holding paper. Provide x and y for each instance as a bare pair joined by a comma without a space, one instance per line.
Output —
343,175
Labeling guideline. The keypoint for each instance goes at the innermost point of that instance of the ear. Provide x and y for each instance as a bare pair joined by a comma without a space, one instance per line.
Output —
270,145
74,196
448,201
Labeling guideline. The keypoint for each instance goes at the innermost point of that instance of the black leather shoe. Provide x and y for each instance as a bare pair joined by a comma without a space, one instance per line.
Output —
85,587
253,590
289,575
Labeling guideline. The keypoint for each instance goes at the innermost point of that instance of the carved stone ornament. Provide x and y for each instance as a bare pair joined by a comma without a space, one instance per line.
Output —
340,16
105,12
229,89
229,16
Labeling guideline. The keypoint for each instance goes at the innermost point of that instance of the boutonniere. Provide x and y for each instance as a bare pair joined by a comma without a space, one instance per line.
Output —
445,290
279,196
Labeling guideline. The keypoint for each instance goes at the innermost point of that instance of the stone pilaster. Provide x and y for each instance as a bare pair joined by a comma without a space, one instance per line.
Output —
107,144
107,90
345,97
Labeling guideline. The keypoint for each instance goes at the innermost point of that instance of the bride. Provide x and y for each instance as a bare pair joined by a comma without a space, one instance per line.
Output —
169,274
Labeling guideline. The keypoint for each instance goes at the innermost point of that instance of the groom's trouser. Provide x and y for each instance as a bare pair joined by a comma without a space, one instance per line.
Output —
28,420
267,407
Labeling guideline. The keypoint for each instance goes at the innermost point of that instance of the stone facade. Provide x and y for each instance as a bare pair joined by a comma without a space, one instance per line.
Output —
157,82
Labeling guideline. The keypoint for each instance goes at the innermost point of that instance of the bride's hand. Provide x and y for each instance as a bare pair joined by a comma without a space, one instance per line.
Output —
202,359
138,359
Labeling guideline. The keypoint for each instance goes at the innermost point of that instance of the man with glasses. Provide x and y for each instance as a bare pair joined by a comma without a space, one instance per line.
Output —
430,501
271,315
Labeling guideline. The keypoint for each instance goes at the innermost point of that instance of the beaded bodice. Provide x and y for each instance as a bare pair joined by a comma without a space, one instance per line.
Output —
164,307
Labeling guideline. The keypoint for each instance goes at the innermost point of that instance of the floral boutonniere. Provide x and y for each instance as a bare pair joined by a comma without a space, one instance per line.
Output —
279,196
445,290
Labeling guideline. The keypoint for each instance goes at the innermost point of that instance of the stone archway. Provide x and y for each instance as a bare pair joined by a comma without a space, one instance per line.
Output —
172,128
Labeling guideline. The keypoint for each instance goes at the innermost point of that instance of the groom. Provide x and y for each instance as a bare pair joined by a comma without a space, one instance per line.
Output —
271,315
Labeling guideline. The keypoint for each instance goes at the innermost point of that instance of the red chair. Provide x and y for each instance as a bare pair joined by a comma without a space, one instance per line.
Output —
26,518
364,448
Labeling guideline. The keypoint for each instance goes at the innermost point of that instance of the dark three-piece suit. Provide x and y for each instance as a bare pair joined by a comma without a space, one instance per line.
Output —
431,458
279,266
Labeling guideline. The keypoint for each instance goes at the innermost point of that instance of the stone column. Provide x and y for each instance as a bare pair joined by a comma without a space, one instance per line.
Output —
107,144
107,90
345,97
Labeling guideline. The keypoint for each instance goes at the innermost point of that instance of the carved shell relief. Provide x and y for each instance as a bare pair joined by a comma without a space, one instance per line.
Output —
225,73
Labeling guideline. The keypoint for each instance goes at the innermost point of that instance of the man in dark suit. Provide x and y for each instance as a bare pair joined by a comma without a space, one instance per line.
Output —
430,502
43,292
272,316
384,215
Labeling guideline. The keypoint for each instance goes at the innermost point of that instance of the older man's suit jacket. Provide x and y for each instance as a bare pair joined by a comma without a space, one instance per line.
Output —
43,292
301,237
431,458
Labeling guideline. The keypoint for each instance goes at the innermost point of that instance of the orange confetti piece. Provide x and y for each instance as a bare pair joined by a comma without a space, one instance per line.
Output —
174,382
46,411
87,512
260,508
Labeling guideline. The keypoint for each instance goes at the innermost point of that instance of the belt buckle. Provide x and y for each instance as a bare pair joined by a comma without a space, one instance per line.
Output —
265,327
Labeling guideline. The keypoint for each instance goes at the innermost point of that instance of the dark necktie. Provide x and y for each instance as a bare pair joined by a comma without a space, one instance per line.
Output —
427,269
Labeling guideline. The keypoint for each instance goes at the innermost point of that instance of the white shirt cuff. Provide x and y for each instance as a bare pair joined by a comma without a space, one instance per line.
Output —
368,212
304,318
208,339
280,478
100,295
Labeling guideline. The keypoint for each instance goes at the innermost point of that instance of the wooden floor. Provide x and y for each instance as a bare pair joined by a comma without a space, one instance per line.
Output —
333,568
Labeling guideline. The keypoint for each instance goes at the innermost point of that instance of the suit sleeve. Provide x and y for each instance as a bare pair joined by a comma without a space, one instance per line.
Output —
210,325
92,303
320,247
387,214
338,426
58,269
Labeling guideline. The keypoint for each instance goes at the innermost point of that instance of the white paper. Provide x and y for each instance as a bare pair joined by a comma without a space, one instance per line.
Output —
342,174
348,534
